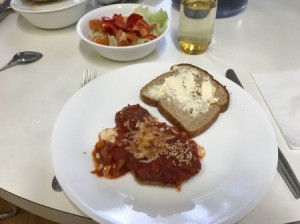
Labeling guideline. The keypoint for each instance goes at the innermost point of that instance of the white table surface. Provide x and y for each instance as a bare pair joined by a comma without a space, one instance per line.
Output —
264,38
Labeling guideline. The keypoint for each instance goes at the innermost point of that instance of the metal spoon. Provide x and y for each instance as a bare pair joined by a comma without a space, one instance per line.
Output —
22,58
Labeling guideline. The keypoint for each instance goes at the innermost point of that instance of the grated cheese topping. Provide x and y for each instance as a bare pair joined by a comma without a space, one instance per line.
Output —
150,141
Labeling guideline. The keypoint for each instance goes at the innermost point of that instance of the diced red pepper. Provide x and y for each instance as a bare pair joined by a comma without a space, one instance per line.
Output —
126,30
110,27
121,22
141,27
141,23
116,16
143,32
132,20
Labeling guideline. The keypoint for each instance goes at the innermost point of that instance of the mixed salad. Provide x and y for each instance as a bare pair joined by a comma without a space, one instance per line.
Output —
137,28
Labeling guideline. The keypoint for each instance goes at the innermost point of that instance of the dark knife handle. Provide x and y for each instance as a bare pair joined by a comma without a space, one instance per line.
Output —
230,74
288,175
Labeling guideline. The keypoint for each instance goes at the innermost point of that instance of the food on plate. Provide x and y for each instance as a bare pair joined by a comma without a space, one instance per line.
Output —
154,152
125,30
188,96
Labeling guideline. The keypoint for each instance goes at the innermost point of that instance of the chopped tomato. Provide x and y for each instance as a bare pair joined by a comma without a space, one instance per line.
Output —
141,27
102,39
132,38
126,30
96,24
122,38
150,37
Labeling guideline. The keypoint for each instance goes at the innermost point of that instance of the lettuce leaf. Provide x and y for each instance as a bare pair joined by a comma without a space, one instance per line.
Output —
142,11
160,17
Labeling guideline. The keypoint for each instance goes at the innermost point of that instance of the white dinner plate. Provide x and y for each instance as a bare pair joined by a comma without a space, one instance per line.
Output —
240,161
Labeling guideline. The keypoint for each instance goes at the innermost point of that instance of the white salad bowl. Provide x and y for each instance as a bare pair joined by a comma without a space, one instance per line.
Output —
52,14
118,53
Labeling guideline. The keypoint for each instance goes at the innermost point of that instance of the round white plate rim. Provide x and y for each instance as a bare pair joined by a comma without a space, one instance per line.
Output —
232,87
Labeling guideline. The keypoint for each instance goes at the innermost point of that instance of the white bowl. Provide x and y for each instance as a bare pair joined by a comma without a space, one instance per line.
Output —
53,14
117,53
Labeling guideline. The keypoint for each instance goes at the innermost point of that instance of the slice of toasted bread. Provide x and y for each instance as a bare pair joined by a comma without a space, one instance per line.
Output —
187,96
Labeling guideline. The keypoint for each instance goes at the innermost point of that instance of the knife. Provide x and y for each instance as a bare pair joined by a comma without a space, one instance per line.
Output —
283,166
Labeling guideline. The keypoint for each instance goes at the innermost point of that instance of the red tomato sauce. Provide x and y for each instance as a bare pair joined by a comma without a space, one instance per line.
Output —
154,152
